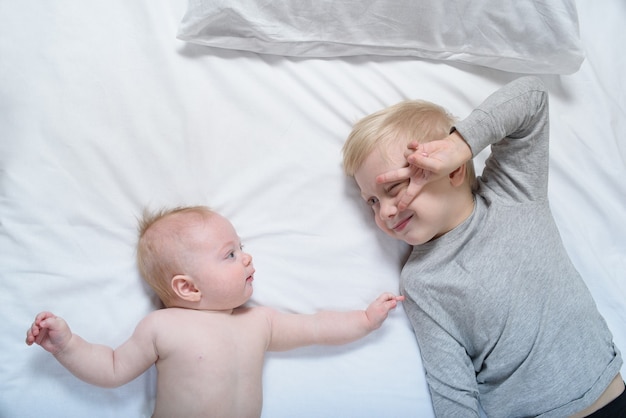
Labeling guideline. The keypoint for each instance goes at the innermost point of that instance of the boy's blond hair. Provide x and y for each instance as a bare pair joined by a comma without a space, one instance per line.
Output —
163,246
409,120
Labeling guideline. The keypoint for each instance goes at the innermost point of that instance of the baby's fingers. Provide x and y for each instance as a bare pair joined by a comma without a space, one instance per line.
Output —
44,315
30,337
390,300
33,332
384,297
39,328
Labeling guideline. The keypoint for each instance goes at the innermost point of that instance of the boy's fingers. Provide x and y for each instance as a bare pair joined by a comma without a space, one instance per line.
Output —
422,161
394,175
412,147
406,199
409,194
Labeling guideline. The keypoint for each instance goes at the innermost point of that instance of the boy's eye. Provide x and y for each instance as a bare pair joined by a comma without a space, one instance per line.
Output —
372,201
394,189
231,254
391,188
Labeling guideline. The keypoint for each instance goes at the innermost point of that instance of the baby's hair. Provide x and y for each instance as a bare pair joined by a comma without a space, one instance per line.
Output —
161,247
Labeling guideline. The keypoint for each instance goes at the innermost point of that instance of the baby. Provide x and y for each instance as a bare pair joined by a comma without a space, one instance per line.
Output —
208,348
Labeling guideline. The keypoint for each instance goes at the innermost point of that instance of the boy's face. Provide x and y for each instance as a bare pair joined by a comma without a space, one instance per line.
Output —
218,265
429,215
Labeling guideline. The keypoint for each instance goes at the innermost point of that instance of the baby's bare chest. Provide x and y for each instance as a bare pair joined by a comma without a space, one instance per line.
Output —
212,362
222,345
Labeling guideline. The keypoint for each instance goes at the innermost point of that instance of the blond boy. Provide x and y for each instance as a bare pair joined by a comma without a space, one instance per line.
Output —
503,320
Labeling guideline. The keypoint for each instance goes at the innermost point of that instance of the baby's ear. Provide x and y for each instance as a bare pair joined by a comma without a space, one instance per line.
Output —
185,288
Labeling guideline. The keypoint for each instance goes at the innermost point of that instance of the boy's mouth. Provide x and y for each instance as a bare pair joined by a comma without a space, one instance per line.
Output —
402,224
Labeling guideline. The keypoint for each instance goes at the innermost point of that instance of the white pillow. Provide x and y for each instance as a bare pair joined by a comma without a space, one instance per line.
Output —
524,36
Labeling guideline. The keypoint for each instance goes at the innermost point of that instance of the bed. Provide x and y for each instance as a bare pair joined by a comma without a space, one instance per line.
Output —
107,107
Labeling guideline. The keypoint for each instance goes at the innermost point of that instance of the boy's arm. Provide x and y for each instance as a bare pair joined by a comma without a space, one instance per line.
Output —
451,374
290,331
514,120
95,364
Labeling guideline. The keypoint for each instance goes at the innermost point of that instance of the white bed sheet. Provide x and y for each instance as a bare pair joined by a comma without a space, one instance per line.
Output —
103,111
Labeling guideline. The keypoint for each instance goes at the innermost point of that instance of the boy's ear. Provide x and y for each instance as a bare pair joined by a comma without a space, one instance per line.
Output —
185,288
457,177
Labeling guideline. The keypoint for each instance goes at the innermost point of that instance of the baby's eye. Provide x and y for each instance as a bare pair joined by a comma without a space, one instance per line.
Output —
372,201
231,255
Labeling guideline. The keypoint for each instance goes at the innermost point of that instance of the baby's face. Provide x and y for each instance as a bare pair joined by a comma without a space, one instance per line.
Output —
219,267
428,215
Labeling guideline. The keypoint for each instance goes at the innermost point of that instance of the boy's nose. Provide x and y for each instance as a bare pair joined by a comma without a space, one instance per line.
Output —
388,209
247,259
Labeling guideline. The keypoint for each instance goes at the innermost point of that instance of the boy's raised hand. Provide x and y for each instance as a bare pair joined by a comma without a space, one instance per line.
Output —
378,310
50,332
427,162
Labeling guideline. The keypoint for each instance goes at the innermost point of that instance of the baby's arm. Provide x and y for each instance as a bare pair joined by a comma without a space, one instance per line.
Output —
290,331
92,363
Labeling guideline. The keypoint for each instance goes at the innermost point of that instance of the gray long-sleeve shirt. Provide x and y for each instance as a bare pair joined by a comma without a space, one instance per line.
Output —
501,315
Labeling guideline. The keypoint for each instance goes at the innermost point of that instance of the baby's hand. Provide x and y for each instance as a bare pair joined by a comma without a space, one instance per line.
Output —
378,310
50,332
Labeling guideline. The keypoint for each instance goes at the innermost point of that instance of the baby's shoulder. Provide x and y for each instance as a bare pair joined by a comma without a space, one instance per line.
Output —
179,318
256,313
160,318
